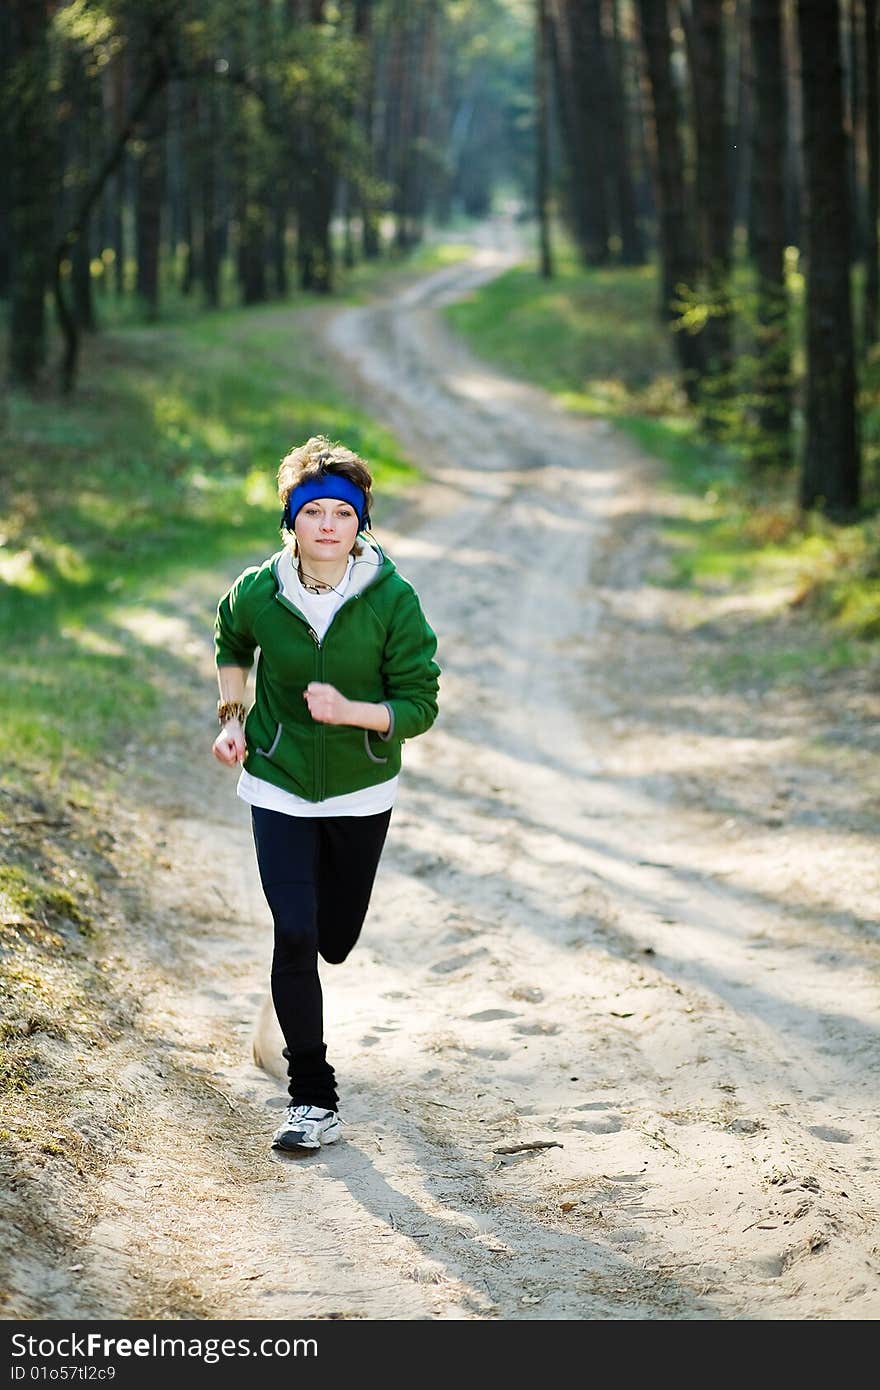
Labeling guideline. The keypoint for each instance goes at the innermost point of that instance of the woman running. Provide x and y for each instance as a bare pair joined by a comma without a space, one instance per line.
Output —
346,673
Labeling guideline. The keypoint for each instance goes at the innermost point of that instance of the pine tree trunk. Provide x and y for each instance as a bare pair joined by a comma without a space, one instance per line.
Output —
31,186
118,185
542,139
404,53
576,184
364,32
209,130
854,122
632,248
678,252
188,158
872,200
646,208
713,202
279,236
794,148
5,136
316,191
773,375
426,61
831,466
150,170
743,134
582,88
81,143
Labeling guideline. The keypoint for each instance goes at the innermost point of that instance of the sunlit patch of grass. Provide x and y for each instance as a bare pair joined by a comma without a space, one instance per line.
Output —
764,666
437,254
832,571
18,897
27,899
589,336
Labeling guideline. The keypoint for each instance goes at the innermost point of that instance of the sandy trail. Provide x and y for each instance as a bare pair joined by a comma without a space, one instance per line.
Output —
564,947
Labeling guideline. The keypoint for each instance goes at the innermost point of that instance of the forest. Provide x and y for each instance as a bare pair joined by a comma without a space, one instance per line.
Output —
225,152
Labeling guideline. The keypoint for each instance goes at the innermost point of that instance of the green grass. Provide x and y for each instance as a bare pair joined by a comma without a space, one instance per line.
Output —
780,665
593,339
351,283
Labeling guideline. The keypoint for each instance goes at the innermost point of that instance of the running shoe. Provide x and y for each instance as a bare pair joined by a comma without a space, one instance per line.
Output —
307,1127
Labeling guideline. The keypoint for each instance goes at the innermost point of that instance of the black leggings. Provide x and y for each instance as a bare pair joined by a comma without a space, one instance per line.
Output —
317,874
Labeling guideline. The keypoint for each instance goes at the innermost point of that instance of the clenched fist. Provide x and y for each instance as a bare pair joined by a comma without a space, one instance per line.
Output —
229,745
326,704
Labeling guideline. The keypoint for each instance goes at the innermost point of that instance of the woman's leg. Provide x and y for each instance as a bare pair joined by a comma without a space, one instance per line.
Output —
287,856
348,857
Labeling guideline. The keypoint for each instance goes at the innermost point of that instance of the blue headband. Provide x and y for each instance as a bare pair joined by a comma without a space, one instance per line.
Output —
327,485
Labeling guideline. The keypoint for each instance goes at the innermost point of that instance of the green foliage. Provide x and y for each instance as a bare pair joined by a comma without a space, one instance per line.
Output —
737,401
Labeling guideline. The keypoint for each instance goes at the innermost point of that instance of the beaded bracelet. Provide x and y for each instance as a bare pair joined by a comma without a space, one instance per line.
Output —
230,709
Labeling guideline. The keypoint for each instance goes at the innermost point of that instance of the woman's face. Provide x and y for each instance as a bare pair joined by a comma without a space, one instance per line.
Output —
325,529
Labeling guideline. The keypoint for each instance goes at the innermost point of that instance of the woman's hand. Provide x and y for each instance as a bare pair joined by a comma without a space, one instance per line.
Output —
229,745
326,704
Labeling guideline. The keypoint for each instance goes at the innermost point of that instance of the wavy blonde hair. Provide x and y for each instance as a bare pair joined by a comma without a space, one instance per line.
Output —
314,458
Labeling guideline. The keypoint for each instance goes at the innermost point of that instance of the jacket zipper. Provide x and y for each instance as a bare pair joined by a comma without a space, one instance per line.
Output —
321,753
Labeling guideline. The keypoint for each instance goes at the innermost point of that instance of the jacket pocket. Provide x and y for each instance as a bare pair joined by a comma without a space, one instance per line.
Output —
267,752
373,757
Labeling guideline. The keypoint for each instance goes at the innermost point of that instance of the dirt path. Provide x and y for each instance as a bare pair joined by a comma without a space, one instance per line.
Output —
616,915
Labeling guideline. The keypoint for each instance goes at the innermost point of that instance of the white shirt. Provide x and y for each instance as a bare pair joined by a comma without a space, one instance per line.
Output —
320,609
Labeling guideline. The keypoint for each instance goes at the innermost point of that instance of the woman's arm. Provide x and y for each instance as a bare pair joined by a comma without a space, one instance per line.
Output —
409,677
328,706
229,745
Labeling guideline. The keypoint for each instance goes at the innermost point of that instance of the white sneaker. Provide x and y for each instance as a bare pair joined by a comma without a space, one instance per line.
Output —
307,1127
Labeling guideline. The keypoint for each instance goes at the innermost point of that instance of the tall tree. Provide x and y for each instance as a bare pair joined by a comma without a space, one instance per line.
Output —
872,199
364,113
29,127
794,148
830,478
542,141
582,91
208,108
80,129
6,65
116,98
678,245
773,374
318,150
149,169
854,120
622,179
704,31
743,132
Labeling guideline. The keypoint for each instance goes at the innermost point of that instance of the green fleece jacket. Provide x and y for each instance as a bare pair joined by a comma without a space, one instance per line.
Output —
378,647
